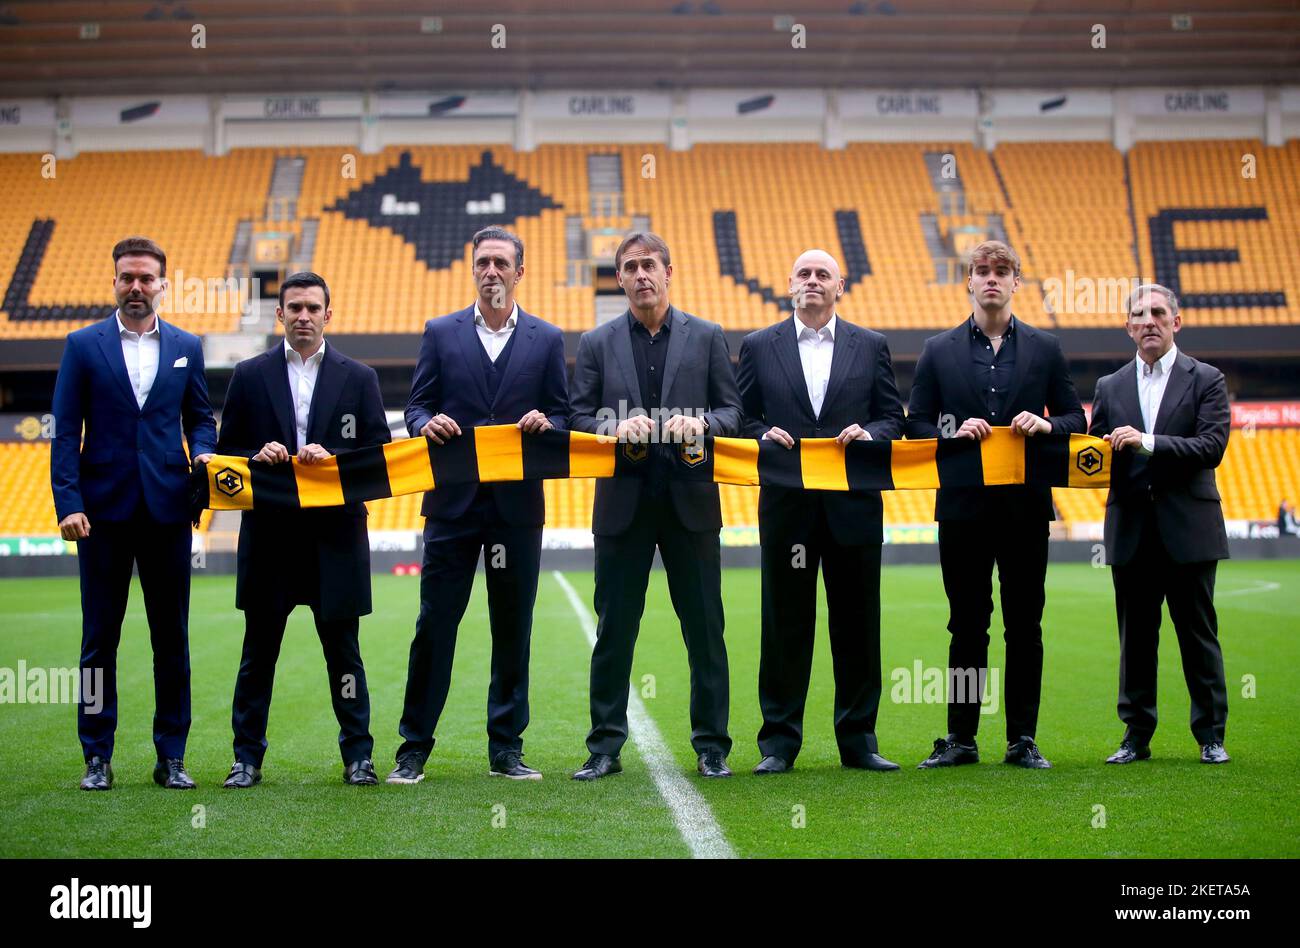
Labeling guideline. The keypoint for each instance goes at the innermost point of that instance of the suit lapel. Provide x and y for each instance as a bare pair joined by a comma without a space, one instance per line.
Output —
467,339
962,367
167,349
787,353
622,343
1026,351
843,352
1180,381
676,348
1130,409
524,335
329,386
275,375
110,343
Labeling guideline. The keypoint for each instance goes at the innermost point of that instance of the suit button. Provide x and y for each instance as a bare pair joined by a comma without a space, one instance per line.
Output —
492,419
818,428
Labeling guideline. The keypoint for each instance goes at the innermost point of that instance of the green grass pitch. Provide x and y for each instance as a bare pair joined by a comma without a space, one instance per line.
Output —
1172,806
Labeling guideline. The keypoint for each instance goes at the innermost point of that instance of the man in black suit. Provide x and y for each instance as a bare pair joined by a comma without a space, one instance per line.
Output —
1167,418
817,376
304,399
993,369
491,363
658,378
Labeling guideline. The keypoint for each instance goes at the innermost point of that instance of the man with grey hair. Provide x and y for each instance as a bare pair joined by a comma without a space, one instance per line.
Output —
1167,419
491,363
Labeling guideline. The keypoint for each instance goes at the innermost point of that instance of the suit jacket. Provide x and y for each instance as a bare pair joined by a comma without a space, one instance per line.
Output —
697,376
945,385
861,389
449,380
1177,479
346,413
129,452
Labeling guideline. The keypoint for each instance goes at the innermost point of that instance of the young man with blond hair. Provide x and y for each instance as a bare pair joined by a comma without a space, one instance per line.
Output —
993,370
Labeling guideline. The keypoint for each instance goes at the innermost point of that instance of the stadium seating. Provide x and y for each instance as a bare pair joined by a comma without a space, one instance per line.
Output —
190,204
1258,216
28,509
735,215
1069,221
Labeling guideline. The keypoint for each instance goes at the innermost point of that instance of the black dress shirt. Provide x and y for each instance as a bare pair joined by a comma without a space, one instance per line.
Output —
650,353
993,370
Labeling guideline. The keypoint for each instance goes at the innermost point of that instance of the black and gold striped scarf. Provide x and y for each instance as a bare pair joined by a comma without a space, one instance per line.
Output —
504,453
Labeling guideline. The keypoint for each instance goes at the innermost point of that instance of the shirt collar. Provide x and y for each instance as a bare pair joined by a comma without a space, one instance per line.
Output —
800,326
122,329
291,354
510,320
636,324
1166,362
976,331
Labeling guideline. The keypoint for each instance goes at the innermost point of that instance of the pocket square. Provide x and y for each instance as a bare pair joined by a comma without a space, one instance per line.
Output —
181,362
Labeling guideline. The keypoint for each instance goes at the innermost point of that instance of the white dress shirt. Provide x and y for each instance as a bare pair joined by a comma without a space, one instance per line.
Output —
140,352
816,349
494,342
1152,380
302,383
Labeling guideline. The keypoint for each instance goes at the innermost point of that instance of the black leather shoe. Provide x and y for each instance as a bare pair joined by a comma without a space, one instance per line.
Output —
242,776
360,773
597,766
171,774
409,769
99,775
1024,753
511,764
948,753
1128,752
872,761
713,764
1214,754
773,765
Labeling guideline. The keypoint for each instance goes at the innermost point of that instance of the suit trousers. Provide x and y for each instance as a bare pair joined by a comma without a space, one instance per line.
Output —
263,634
693,564
1148,580
790,557
161,553
968,551
513,557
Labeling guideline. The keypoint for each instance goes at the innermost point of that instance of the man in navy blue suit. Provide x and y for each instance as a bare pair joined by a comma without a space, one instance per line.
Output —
135,383
816,375
488,364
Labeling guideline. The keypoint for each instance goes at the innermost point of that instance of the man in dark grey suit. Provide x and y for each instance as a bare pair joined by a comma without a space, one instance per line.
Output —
1166,416
659,379
815,375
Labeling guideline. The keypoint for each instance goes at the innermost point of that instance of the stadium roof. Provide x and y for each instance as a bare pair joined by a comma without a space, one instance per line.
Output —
76,47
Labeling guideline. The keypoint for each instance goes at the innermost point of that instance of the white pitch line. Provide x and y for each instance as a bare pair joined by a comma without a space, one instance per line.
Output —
1261,586
690,811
